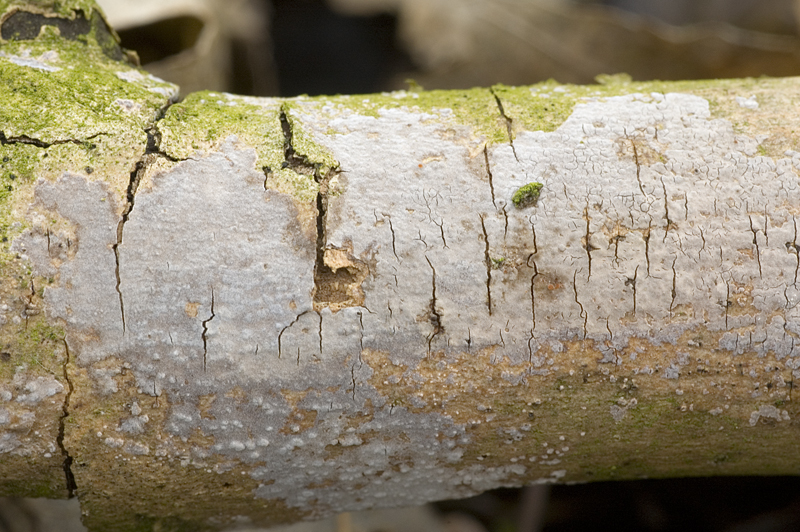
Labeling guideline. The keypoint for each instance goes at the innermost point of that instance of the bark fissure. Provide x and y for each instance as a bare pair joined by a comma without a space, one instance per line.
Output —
583,314
434,315
666,210
533,300
755,244
647,245
508,121
151,152
441,230
488,261
335,286
794,246
296,319
674,287
728,302
489,173
67,464
587,245
30,141
394,245
703,247
205,331
631,281
320,333
638,166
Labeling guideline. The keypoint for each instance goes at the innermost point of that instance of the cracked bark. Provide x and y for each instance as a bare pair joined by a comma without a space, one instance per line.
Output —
71,485
152,151
289,327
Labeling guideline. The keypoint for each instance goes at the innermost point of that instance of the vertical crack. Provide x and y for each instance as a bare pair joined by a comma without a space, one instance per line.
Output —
394,247
587,245
583,314
632,283
728,302
296,319
666,210
638,165
434,315
353,379
533,297
441,230
488,261
299,163
647,244
151,152
509,122
674,285
320,332
67,465
361,331
796,249
755,243
205,330
489,172
685,206
133,184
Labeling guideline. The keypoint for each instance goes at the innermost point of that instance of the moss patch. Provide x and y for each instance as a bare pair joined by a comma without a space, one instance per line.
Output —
474,108
202,121
526,195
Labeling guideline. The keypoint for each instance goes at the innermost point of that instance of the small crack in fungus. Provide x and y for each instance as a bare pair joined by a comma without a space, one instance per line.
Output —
25,139
489,173
508,121
152,151
205,331
434,316
488,261
338,274
67,465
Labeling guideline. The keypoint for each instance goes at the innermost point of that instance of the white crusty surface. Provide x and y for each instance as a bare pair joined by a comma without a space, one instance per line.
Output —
651,218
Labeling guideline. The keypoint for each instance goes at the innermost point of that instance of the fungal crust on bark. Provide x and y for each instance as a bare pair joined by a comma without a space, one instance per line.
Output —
223,308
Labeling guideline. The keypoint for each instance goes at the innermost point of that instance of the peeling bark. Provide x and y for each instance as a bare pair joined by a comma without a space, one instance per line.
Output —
329,304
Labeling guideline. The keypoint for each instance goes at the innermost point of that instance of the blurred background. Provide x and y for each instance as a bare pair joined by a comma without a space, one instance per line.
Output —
292,47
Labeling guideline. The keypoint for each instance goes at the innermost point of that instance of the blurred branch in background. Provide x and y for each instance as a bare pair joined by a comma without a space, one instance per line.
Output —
464,43
199,44
290,47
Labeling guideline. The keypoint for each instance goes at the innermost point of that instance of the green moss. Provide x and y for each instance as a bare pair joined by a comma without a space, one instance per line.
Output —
303,141
545,106
202,121
65,8
28,487
475,108
77,103
527,195
36,345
